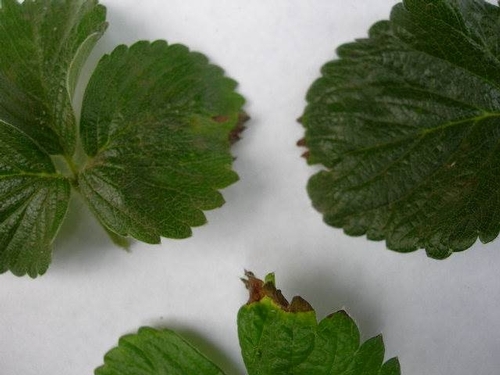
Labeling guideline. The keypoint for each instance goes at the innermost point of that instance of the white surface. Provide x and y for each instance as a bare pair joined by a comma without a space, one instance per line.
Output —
439,317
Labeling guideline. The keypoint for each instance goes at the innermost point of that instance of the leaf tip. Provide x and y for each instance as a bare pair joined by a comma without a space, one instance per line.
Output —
259,289
340,313
270,278
235,134
299,304
303,143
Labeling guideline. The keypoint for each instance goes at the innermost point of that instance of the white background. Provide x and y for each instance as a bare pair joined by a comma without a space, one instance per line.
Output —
439,317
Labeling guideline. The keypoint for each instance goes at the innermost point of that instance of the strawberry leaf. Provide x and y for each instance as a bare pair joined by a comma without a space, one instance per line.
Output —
276,338
281,338
156,128
43,45
34,200
407,124
155,352
156,125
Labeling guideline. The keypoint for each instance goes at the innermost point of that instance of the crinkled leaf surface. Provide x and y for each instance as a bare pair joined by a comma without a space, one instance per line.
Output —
43,45
34,200
155,124
278,338
155,352
407,123
156,127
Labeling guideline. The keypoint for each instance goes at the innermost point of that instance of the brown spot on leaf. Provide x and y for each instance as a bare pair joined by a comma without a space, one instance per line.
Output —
220,119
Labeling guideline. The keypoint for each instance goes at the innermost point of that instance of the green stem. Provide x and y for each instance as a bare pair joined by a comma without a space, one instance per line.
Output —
74,171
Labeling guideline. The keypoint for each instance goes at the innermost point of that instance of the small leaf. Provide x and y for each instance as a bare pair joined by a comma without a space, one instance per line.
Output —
34,200
407,123
43,45
155,352
156,123
280,338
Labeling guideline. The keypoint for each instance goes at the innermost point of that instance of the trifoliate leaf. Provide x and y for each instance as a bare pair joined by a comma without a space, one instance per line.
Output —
156,124
407,123
281,338
43,45
155,352
33,203
156,127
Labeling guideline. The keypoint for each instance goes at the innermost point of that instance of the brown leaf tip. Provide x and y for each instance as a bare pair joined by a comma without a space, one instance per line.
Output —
259,289
235,134
302,142
255,287
299,304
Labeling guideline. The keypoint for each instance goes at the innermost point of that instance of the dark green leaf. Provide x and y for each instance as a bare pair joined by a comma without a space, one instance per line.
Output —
153,352
156,124
43,45
278,338
407,123
34,199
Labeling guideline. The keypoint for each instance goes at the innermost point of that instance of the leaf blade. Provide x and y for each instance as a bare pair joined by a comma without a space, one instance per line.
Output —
34,200
278,338
44,45
156,122
406,124
272,341
155,352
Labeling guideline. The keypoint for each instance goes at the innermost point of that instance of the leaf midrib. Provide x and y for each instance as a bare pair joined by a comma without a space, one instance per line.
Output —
404,195
425,132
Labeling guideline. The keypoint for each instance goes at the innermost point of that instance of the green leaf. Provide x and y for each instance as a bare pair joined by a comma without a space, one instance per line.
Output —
407,124
155,352
43,45
156,127
281,338
156,124
276,338
34,200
